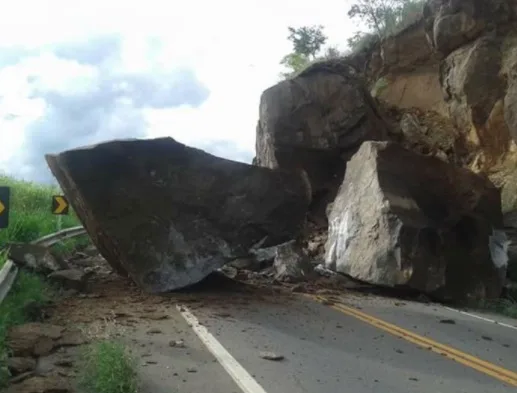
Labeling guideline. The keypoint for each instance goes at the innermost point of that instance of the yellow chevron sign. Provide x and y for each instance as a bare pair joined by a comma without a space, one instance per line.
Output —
59,205
5,194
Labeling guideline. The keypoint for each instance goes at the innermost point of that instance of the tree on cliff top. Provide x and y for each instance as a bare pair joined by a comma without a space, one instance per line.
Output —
307,40
383,18
307,43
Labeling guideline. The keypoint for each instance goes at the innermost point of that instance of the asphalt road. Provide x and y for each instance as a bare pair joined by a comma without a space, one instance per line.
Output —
355,345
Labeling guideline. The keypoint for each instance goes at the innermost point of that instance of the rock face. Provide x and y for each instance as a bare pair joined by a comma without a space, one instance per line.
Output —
403,219
316,121
168,215
464,72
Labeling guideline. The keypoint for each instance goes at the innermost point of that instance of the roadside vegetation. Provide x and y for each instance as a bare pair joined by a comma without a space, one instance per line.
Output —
28,295
108,367
30,218
507,305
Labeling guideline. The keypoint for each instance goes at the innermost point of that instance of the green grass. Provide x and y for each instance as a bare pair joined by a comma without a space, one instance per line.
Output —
68,247
108,368
504,306
28,290
30,216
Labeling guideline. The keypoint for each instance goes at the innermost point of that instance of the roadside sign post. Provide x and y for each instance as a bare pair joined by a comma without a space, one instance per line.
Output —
5,196
59,222
60,207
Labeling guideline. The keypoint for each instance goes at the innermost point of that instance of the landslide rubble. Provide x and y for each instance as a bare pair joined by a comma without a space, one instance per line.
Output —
441,94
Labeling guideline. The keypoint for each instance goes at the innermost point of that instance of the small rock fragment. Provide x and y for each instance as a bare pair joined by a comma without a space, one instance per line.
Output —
323,271
154,331
19,365
64,363
271,356
21,377
291,264
222,315
71,338
448,321
155,316
74,279
177,344
44,384
89,295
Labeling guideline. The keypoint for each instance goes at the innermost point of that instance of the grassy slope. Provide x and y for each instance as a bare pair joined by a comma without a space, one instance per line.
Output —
108,366
30,218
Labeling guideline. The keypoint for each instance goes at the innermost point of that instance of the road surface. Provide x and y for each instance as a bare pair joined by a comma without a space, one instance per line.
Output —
352,344
212,338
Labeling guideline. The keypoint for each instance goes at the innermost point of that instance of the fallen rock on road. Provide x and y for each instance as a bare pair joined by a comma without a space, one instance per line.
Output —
291,264
403,219
168,215
35,257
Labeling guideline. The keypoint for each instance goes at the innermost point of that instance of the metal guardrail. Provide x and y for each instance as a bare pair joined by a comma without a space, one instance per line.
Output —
7,276
56,237
9,271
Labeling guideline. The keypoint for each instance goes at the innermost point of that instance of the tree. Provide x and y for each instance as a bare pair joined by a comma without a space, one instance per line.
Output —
307,40
360,40
384,17
294,62
331,53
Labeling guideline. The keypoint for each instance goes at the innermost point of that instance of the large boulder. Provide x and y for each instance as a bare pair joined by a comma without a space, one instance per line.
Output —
316,121
168,214
404,219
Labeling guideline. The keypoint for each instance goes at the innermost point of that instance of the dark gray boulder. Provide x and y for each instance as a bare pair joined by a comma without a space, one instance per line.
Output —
168,215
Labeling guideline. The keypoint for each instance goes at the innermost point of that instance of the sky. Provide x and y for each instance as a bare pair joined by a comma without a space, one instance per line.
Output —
75,73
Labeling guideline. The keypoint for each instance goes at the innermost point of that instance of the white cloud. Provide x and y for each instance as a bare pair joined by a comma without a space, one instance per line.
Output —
59,58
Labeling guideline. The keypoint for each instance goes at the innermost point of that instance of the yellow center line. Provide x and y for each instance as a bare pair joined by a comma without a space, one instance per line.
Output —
483,366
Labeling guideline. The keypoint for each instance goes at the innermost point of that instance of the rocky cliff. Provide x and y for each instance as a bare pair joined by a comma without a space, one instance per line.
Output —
452,78
445,87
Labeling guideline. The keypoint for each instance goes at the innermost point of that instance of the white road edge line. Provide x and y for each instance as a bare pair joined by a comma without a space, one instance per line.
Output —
238,373
482,318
